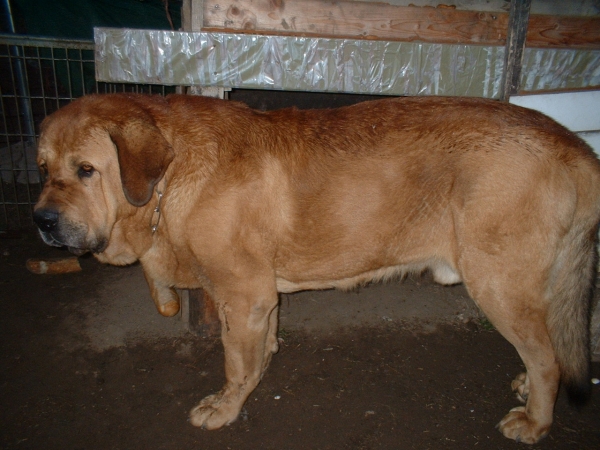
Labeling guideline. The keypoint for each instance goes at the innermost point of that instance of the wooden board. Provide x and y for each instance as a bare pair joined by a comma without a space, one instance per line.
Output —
518,23
563,32
381,21
203,319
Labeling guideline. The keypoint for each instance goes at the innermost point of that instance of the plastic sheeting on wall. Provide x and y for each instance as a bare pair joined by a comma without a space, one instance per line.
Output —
329,65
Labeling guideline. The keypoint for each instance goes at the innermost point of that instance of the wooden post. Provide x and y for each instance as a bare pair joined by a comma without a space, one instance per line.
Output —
192,15
200,312
518,22
203,319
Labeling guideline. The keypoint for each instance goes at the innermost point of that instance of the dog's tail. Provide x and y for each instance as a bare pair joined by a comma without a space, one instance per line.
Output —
571,284
569,316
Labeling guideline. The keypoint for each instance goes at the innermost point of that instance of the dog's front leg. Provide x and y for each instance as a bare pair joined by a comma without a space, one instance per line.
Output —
165,297
249,335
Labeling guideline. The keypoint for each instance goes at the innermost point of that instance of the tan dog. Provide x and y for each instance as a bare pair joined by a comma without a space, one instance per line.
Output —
245,204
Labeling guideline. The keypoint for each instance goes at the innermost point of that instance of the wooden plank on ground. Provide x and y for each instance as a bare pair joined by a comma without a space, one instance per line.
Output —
381,21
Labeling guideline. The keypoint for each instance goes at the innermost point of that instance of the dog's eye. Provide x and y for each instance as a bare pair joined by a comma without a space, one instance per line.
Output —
44,170
85,171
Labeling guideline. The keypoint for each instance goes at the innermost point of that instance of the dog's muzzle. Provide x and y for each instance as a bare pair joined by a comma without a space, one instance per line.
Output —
53,234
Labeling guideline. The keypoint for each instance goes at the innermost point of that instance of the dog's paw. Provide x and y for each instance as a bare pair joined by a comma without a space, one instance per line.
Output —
169,309
214,412
520,386
517,425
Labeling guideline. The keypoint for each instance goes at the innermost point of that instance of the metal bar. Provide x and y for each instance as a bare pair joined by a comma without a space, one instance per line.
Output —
56,96
22,86
39,64
4,216
23,79
40,41
515,46
68,69
81,71
10,198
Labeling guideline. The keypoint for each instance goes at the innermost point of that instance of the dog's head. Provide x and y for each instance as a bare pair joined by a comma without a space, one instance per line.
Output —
99,155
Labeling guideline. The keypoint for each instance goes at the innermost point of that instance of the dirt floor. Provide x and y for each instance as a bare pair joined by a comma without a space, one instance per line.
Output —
87,363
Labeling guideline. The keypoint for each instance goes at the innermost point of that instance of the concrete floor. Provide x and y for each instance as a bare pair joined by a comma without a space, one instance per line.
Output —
122,311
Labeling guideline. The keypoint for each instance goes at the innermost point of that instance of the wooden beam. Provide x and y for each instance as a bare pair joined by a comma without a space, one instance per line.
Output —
203,316
191,15
563,32
515,47
356,20
381,21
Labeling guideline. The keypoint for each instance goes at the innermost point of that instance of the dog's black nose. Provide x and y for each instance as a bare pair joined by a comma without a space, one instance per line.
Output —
46,219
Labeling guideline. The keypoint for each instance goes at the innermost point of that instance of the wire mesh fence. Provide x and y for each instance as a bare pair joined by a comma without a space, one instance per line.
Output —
38,76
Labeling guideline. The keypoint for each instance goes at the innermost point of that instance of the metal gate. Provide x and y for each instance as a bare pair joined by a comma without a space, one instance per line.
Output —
38,76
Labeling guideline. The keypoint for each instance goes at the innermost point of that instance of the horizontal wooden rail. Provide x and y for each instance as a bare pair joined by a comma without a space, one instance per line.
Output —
381,21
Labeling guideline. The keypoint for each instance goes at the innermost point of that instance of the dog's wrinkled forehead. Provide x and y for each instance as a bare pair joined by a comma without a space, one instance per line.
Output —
68,134
62,125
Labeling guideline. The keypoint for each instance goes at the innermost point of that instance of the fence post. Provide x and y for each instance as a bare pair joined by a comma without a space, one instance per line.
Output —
22,88
515,45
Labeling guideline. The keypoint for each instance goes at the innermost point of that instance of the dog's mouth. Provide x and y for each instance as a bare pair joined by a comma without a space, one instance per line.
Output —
49,239
77,250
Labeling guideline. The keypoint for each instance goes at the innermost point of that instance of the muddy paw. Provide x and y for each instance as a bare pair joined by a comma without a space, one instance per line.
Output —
520,386
516,425
213,412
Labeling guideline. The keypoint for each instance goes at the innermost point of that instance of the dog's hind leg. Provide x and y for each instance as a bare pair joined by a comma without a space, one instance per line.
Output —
525,250
516,307
248,317
537,296
555,346
539,389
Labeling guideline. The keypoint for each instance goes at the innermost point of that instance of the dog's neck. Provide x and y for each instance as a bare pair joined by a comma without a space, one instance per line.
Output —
157,212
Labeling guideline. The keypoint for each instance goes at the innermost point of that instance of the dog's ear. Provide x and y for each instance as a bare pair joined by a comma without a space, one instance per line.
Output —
144,156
